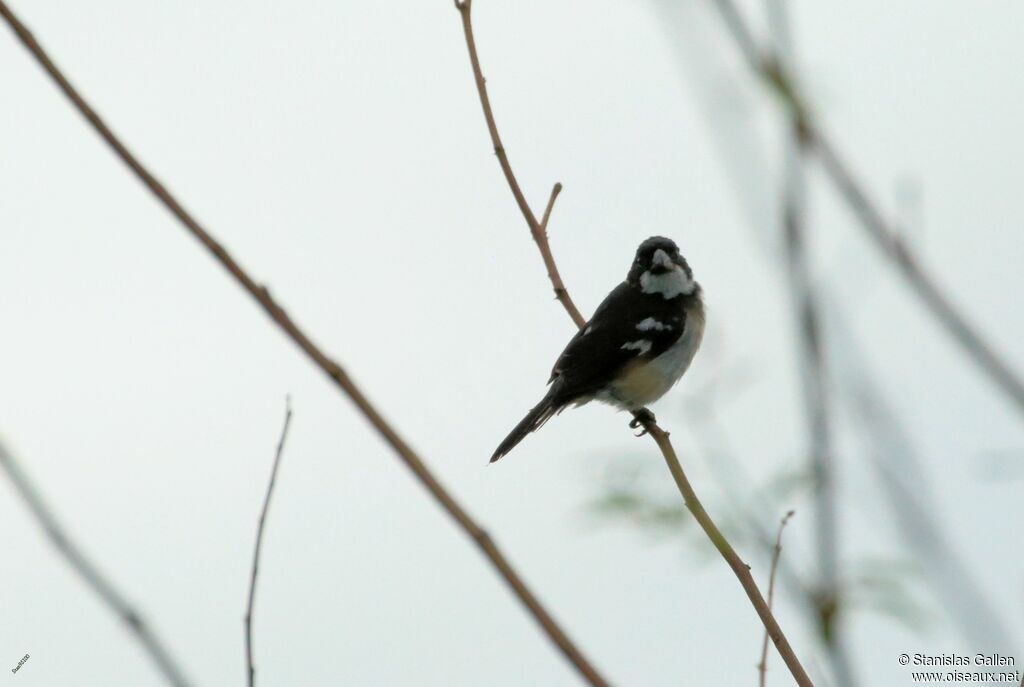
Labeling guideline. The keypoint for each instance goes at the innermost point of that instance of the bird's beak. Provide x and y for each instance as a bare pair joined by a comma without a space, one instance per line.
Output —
662,262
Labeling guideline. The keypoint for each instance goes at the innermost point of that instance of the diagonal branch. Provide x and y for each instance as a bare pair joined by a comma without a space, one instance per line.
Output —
661,437
767,65
251,670
328,366
739,568
928,290
93,578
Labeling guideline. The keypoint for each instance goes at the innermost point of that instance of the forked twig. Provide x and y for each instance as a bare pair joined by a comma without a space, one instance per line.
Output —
537,229
762,667
93,578
741,569
328,366
251,670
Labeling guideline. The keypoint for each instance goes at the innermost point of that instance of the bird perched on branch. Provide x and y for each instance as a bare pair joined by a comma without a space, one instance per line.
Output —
638,344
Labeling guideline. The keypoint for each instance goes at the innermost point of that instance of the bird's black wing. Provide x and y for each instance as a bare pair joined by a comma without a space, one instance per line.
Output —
612,339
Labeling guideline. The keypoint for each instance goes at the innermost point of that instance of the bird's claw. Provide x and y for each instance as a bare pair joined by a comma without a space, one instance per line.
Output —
641,418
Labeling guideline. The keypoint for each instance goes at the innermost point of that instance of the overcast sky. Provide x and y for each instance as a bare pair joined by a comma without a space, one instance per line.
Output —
338,150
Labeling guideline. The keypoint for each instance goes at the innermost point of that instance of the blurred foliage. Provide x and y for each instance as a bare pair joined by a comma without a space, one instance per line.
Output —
629,491
641,511
888,586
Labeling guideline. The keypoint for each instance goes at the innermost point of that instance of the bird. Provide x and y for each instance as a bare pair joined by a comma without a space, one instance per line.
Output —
636,346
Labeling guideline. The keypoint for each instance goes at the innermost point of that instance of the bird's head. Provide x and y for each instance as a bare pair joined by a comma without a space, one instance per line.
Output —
659,269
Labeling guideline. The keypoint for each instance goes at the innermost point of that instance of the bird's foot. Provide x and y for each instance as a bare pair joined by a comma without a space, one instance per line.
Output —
640,418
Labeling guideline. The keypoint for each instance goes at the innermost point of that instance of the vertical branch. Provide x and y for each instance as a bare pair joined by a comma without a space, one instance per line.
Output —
768,67
318,357
811,360
643,416
904,486
762,666
251,670
93,578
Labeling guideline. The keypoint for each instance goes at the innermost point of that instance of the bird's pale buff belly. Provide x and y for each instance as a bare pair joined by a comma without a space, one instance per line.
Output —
644,382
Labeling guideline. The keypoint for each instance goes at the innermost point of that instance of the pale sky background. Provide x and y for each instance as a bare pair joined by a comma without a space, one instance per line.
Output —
338,150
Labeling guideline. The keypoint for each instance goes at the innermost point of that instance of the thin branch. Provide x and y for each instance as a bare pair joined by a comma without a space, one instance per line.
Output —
555,190
328,366
251,672
741,569
94,579
537,229
762,667
767,65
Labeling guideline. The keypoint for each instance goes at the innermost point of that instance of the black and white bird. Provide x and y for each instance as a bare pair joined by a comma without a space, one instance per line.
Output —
638,344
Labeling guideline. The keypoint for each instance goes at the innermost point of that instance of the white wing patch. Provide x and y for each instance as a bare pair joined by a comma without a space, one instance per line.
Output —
669,284
646,383
642,345
650,323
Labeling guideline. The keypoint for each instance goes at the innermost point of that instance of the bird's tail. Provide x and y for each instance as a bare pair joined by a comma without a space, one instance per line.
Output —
533,421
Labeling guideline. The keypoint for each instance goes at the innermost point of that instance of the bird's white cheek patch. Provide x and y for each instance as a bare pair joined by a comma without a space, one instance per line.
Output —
650,323
669,285
642,345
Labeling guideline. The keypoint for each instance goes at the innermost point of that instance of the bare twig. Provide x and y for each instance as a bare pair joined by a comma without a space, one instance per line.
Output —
251,670
762,667
767,65
741,569
537,229
94,579
328,366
